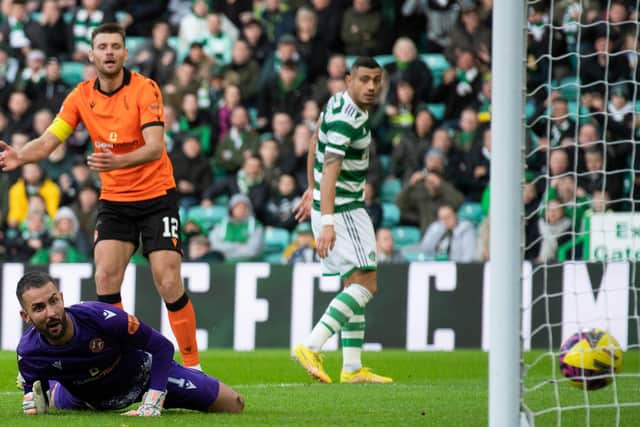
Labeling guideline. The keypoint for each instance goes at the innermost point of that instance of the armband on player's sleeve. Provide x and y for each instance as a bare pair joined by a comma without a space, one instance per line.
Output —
61,129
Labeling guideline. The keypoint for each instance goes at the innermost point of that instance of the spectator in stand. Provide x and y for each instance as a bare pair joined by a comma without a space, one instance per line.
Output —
361,29
460,86
191,171
386,251
311,47
285,51
479,159
329,13
59,162
269,152
201,61
277,19
471,35
33,181
50,90
336,71
41,120
196,122
18,140
597,179
231,99
9,71
199,250
555,229
217,43
240,237
56,31
66,227
282,127
237,11
531,200
372,204
564,190
421,197
310,114
155,58
85,19
410,147
19,32
287,92
600,203
248,181
467,132
562,125
34,71
279,206
449,238
442,16
408,67
139,17
85,207
258,41
399,113
172,134
604,65
193,26
19,114
184,82
301,137
239,143
454,163
59,251
243,71
22,244
303,247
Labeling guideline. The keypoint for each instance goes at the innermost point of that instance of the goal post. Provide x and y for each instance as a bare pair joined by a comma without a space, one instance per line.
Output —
507,165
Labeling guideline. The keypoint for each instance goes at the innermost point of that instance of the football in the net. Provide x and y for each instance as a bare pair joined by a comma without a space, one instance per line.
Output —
590,358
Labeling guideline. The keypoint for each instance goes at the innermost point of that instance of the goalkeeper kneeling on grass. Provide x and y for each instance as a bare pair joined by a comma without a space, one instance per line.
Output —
94,356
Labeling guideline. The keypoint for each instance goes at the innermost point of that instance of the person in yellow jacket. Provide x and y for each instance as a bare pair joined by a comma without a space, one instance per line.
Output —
33,181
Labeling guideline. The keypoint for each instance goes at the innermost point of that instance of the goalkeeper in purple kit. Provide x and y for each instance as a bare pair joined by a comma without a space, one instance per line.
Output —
94,356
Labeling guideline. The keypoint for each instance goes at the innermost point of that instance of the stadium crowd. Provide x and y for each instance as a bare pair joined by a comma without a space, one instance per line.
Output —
244,82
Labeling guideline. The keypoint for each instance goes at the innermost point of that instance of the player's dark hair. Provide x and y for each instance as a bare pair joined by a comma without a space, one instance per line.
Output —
108,28
33,279
364,62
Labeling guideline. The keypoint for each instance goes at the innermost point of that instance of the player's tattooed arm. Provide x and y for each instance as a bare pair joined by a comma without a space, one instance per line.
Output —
330,158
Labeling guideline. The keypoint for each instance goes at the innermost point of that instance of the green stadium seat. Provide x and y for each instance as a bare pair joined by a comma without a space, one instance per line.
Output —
384,159
134,42
390,215
415,255
569,88
438,64
274,258
389,190
437,110
404,235
472,212
71,72
207,216
276,240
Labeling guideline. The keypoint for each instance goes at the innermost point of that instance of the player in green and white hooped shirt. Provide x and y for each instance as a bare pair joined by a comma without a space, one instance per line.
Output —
337,168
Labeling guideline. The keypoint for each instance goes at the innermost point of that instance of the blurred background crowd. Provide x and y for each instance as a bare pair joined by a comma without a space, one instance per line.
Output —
244,82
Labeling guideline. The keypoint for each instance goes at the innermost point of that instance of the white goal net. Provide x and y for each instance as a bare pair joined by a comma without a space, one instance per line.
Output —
581,195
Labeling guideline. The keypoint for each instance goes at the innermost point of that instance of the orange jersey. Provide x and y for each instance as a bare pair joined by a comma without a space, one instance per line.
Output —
115,122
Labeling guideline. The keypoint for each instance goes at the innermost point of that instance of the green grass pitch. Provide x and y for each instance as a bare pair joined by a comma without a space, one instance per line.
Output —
431,389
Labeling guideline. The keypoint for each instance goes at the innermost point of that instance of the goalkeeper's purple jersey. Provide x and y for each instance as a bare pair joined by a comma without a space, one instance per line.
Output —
109,355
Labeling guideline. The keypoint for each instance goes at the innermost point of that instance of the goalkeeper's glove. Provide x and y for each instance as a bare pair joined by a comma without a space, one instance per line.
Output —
151,405
35,402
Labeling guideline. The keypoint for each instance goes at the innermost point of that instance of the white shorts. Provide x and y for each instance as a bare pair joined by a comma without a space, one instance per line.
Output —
355,246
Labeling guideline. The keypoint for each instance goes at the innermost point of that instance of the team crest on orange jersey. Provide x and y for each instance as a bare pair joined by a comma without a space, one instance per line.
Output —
96,345
113,136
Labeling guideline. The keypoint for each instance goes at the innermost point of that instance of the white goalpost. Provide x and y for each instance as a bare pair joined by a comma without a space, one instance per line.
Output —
565,181
507,107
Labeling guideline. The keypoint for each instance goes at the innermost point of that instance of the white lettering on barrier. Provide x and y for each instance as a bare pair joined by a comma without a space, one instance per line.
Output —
302,280
11,320
527,290
445,278
248,308
608,309
196,277
70,279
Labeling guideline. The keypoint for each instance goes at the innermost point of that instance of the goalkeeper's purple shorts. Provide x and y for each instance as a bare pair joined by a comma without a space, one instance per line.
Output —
186,389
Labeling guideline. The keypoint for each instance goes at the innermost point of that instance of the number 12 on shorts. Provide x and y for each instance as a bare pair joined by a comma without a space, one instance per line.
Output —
170,227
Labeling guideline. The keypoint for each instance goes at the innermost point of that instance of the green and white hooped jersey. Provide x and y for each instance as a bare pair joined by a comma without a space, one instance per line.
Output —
344,130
